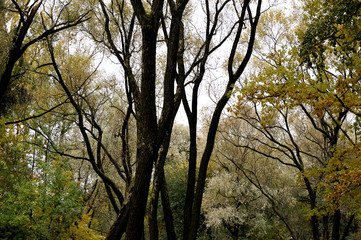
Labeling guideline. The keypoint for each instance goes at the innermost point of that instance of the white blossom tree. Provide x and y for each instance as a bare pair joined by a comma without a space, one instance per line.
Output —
232,202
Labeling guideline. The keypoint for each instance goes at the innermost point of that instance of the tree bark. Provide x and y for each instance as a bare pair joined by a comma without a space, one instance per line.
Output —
157,186
347,228
146,135
235,234
167,210
16,52
119,226
336,221
192,164
19,47
171,105
326,232
314,219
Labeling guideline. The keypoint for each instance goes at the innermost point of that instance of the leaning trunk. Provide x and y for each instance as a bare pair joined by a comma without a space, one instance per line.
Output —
168,215
157,185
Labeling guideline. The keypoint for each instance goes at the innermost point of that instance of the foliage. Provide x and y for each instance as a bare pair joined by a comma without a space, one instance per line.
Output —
341,186
231,202
176,178
305,98
23,30
81,150
39,197
80,229
275,185
330,46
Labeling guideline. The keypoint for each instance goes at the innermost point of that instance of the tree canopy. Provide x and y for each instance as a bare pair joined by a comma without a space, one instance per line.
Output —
179,119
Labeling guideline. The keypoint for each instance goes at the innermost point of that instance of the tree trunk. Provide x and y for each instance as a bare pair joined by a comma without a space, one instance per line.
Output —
314,219
16,52
153,213
146,135
232,78
191,180
5,78
168,216
150,133
157,186
118,228
235,233
336,225
326,232
347,228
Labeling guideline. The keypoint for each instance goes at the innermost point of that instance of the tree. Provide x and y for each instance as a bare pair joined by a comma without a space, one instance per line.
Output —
78,86
231,202
277,189
22,28
40,197
175,182
59,130
142,19
315,93
335,47
78,103
234,71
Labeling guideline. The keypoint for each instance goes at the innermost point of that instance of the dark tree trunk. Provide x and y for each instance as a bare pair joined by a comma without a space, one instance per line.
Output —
232,78
167,210
150,133
112,199
14,55
326,232
16,51
119,226
157,186
171,105
192,162
336,221
153,213
235,233
18,47
146,135
314,219
347,228
5,78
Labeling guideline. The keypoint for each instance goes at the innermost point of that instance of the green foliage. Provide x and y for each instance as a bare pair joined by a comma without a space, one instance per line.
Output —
39,197
332,24
330,46
176,176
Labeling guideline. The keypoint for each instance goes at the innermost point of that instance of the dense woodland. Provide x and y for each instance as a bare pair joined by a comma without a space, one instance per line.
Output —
179,119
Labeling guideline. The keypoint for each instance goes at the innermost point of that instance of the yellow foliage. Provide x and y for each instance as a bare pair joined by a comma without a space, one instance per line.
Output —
80,230
341,186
